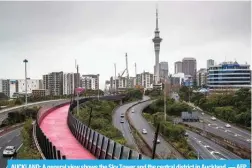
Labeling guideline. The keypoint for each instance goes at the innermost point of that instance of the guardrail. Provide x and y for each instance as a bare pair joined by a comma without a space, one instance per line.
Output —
44,145
99,145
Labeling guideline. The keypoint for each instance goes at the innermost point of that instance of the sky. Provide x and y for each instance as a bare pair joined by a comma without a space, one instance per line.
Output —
51,35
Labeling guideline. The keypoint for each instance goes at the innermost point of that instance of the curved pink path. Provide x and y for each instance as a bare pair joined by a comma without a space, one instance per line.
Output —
54,125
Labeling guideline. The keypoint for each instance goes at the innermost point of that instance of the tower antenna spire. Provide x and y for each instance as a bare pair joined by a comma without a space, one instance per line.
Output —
156,16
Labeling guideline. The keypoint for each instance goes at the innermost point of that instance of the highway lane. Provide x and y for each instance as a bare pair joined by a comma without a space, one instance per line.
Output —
12,138
163,149
219,123
124,127
208,149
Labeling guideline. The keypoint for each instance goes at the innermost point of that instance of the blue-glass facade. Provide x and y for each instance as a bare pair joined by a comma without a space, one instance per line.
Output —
229,75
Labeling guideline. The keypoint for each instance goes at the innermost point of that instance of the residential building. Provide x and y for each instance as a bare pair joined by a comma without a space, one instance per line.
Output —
40,92
68,83
90,81
145,80
189,67
45,81
210,63
5,86
54,83
178,67
107,86
32,84
13,86
202,77
229,75
77,80
163,69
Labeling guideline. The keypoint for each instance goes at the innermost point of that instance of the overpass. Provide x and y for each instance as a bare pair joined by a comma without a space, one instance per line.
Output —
58,134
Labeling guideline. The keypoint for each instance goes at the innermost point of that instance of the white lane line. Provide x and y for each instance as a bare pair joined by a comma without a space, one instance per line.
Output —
0,147
8,141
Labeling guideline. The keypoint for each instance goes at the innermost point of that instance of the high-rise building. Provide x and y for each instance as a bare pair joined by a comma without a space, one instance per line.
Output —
163,69
32,84
145,80
68,83
90,82
45,81
77,80
13,85
229,75
156,40
202,77
5,86
178,67
54,83
114,84
210,63
189,67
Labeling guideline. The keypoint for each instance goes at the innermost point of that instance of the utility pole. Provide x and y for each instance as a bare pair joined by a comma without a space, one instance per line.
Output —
165,98
77,85
136,73
115,77
25,61
155,142
98,75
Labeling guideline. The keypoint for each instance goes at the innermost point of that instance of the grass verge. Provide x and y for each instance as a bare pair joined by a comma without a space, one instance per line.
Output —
28,150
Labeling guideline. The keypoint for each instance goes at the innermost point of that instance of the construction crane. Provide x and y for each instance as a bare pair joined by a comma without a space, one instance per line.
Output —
127,72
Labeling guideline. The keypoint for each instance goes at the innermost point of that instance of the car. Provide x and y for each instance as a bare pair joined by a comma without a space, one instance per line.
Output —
122,115
132,110
144,131
186,134
202,113
213,118
228,126
158,141
9,151
122,121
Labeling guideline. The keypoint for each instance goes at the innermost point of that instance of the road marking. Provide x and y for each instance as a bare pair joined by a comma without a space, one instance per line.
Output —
8,141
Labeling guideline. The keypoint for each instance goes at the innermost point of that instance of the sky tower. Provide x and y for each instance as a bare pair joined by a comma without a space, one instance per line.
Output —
156,40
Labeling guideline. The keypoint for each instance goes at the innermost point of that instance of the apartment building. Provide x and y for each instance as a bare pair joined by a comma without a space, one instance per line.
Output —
32,84
201,77
5,86
40,92
68,83
90,81
145,80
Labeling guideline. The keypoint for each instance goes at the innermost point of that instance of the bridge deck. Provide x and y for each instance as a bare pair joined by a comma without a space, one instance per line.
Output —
54,125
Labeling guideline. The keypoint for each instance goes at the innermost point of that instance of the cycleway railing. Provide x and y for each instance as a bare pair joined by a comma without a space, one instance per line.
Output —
99,145
43,143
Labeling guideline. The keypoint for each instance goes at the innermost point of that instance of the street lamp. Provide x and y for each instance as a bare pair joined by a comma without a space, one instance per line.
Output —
25,61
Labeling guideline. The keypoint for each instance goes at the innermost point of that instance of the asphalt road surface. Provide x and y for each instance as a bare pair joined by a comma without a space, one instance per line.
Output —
4,112
139,122
124,127
239,131
208,149
12,138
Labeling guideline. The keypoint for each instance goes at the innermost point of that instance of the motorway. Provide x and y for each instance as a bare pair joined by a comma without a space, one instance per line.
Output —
208,149
4,112
12,138
163,149
217,127
124,127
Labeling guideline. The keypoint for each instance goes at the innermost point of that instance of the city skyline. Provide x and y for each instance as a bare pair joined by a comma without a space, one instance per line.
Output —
220,31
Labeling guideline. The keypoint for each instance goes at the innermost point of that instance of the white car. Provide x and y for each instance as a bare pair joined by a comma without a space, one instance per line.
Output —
9,151
158,141
213,118
144,131
202,113
122,121
132,110
122,115
228,126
